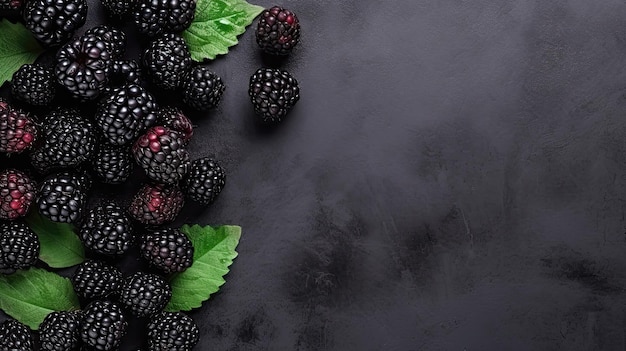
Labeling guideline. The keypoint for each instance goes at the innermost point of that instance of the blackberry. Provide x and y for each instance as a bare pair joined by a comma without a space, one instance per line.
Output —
19,246
205,181
94,279
123,72
18,131
15,336
161,154
107,230
34,84
180,14
62,196
168,250
119,8
59,331
202,89
83,66
172,331
145,294
155,17
11,5
167,60
175,119
53,22
112,164
103,325
273,93
17,193
115,38
156,204
68,141
125,113
278,31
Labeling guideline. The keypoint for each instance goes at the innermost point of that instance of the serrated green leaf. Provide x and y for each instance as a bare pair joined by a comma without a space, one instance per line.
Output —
17,47
217,25
60,246
214,251
30,295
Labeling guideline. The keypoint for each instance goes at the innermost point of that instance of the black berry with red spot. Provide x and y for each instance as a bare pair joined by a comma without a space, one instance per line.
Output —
18,131
162,154
175,119
17,193
278,31
156,204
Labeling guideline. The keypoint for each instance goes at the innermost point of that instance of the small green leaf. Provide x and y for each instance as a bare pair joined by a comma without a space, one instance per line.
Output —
60,246
216,26
17,47
30,295
214,251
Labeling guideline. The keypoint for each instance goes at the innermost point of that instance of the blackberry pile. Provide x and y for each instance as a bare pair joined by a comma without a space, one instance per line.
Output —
115,133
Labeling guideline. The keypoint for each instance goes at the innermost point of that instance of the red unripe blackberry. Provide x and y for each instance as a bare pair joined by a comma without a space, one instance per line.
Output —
17,193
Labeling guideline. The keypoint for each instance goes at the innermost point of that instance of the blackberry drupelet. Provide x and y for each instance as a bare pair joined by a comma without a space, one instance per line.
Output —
18,131
113,37
103,325
20,246
15,336
175,119
34,84
162,155
94,279
53,22
112,164
62,197
60,331
168,250
155,205
167,60
17,193
125,113
107,230
204,181
273,93
172,331
68,141
145,294
119,8
123,72
83,66
202,89
278,31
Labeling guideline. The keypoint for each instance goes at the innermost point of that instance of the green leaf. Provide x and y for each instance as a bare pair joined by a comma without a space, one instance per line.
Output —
30,295
216,26
17,47
214,251
60,246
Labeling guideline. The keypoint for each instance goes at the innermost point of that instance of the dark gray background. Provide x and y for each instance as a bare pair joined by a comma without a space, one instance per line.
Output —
451,179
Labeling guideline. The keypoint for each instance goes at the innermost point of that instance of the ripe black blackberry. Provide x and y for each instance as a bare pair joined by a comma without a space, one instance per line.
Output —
175,119
162,155
202,89
18,131
167,60
103,325
107,230
20,246
172,331
273,93
278,31
204,181
68,141
53,22
62,197
155,205
94,280
155,17
112,164
83,66
114,37
60,331
17,193
34,84
15,336
123,72
119,8
168,250
125,113
145,294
